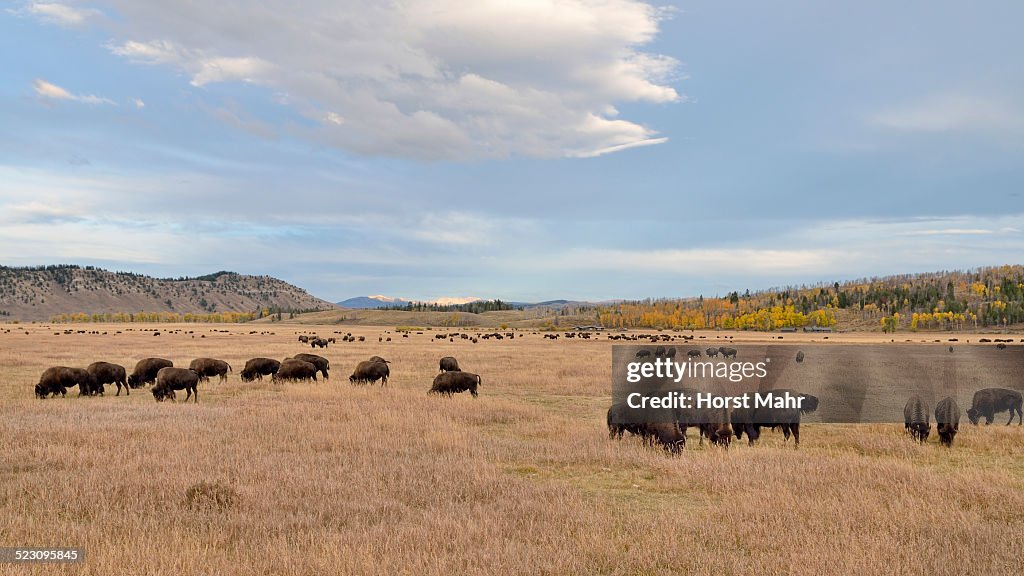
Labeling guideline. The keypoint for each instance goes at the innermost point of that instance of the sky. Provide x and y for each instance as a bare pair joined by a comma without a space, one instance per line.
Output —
526,150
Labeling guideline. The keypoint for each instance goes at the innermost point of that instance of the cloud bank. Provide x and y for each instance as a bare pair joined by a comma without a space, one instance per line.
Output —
425,79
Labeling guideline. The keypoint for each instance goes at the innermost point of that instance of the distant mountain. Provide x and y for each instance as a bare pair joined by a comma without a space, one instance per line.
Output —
379,302
42,292
371,302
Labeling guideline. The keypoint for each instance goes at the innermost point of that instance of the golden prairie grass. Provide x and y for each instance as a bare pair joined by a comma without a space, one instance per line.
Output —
328,478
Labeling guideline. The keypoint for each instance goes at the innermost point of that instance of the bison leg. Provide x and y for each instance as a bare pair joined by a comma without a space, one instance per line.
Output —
796,434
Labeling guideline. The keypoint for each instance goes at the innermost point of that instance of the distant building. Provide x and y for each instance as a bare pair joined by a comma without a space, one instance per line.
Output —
788,329
590,327
817,328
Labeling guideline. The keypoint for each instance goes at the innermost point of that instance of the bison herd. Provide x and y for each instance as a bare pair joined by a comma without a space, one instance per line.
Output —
986,403
166,379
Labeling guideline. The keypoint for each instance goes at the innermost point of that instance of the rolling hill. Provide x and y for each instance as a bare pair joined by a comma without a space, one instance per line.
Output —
41,293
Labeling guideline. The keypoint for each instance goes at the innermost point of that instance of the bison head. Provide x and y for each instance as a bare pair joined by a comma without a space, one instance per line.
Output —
972,415
40,391
133,381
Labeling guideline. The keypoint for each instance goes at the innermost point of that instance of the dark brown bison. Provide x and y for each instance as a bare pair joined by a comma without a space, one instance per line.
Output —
751,420
207,367
257,368
727,352
318,343
712,352
715,424
916,419
304,339
947,420
169,379
145,371
669,435
449,383
991,401
449,364
379,359
58,379
619,422
321,363
295,370
107,373
369,371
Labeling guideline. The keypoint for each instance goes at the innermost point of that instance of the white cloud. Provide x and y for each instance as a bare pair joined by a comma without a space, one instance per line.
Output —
139,103
697,260
426,78
57,13
204,68
949,112
51,91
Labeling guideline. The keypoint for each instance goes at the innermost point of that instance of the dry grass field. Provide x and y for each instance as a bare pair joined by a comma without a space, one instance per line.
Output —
328,478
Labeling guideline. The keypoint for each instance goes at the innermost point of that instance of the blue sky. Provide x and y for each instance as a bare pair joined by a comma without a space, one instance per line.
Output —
527,151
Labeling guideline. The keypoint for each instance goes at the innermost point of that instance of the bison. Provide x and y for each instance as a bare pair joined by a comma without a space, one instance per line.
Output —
990,401
321,363
669,435
916,419
207,367
257,368
449,364
947,420
169,379
716,425
107,373
727,352
751,420
146,369
712,352
58,379
295,370
448,383
369,371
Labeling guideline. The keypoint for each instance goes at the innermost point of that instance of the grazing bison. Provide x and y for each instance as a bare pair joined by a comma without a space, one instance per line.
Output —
619,422
727,352
449,364
800,356
991,401
318,343
639,354
716,425
58,379
711,352
321,363
207,367
947,420
145,371
257,368
751,420
693,354
449,383
107,373
169,379
915,419
304,339
294,369
369,371
669,435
